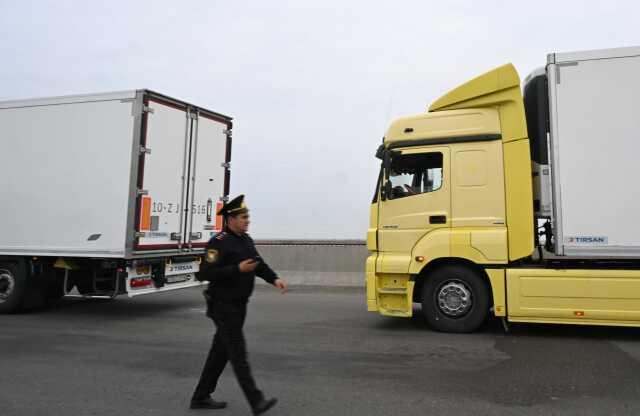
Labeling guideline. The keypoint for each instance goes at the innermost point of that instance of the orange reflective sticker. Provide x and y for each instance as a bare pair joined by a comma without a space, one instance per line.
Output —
145,217
218,217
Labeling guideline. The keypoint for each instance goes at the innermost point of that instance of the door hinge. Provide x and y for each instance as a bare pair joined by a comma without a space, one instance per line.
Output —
227,132
147,109
192,115
176,236
145,150
196,236
142,192
226,165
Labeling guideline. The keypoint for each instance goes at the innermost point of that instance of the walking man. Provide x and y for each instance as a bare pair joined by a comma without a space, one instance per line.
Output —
230,266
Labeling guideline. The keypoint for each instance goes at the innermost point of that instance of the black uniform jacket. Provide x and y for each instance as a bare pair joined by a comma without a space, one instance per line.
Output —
220,267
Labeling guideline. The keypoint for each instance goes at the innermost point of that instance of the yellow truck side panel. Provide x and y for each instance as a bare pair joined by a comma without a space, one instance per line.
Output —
607,297
455,123
435,245
491,243
498,291
480,246
519,196
477,191
501,88
394,262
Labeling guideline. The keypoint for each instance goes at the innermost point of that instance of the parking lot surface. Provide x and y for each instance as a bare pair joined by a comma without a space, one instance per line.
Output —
317,350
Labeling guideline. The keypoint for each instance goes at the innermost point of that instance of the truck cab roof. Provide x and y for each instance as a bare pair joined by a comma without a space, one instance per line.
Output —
437,127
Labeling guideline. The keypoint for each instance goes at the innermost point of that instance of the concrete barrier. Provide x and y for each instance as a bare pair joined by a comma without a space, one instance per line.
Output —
316,262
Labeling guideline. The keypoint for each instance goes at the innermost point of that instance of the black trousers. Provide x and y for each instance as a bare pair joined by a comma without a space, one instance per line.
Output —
228,345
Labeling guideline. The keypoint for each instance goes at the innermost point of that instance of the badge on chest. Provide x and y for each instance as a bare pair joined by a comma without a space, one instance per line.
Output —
212,255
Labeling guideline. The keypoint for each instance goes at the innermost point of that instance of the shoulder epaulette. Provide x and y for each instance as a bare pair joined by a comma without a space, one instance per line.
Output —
220,236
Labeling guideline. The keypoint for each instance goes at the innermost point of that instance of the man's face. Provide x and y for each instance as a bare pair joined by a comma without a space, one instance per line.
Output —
239,223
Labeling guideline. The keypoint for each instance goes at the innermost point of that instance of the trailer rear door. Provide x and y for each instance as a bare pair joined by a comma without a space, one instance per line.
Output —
166,128
183,175
209,178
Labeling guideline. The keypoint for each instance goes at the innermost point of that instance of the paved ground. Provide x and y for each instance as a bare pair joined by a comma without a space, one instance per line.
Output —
318,351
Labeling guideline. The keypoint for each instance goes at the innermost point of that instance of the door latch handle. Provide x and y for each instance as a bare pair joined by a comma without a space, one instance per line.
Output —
438,219
209,209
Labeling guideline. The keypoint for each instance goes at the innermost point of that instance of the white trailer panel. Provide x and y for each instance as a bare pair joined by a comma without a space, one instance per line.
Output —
66,176
595,141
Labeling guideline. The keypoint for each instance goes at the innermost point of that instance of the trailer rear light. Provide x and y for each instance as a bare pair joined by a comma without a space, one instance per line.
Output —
141,282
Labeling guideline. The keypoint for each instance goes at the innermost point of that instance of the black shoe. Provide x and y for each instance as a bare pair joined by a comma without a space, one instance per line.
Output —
207,403
264,405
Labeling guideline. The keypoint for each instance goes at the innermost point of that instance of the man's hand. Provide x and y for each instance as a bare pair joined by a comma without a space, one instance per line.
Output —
247,266
282,285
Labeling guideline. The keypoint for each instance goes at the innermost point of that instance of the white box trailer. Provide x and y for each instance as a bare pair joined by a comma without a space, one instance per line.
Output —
118,192
585,180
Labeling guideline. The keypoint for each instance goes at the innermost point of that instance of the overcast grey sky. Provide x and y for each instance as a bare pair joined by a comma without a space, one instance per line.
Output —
312,85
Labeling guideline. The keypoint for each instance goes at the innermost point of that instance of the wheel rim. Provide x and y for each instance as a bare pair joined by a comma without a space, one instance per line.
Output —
7,285
454,299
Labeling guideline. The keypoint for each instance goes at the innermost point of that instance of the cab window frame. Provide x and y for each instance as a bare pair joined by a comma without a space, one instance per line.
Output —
423,163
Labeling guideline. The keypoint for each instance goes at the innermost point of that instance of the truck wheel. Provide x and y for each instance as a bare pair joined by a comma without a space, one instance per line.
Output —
13,283
455,299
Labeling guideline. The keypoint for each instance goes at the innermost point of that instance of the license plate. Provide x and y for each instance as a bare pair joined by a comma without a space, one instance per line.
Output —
179,278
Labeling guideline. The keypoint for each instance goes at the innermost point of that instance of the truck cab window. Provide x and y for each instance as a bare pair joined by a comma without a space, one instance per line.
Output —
415,174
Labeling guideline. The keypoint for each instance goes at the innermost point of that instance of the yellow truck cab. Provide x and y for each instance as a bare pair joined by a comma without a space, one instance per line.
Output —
459,201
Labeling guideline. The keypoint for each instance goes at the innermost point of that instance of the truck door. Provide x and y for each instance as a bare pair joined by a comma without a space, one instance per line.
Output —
208,179
417,201
166,132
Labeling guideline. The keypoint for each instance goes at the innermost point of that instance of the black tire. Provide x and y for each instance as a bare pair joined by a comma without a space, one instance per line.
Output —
455,299
13,286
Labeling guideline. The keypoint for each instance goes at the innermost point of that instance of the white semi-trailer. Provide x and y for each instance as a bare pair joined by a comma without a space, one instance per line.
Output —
109,193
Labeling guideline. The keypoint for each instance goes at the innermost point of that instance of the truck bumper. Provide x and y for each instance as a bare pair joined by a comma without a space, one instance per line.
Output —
370,270
388,294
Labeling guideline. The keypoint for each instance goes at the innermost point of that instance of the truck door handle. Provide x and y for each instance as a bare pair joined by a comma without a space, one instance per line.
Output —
438,219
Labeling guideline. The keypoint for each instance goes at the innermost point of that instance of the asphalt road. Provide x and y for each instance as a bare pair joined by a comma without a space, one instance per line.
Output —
318,351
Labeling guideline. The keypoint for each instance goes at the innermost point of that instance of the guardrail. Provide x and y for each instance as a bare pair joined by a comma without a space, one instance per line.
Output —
316,262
